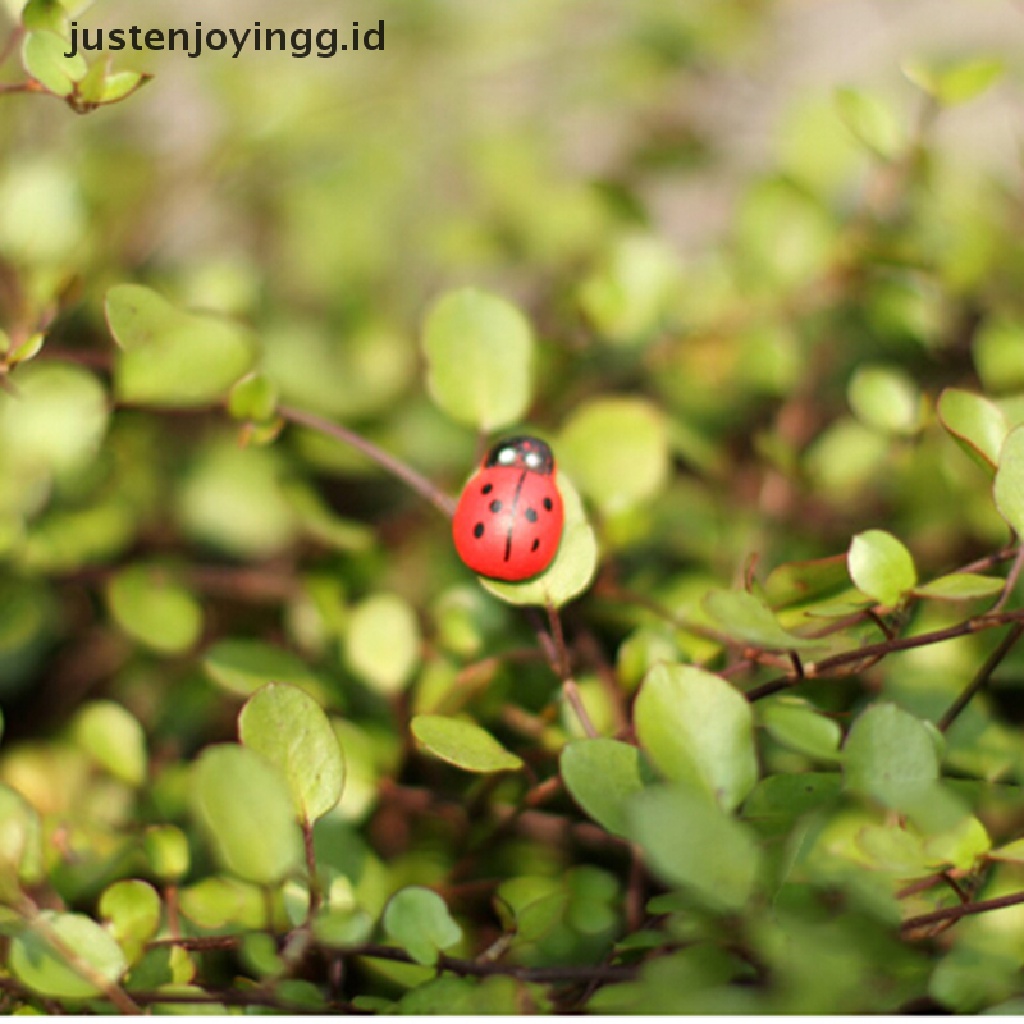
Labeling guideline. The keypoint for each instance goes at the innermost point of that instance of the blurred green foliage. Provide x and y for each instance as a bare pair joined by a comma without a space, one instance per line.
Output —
752,743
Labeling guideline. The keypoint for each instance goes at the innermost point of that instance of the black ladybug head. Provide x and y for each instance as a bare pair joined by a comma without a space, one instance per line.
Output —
522,452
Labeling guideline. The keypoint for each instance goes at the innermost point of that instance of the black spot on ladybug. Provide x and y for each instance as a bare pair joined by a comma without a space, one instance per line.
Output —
495,505
548,505
531,515
487,488
535,544
478,530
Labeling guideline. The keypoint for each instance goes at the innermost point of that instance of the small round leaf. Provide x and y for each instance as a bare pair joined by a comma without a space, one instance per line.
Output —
290,730
616,451
383,642
418,920
246,808
37,964
697,729
479,349
112,736
464,744
881,566
603,775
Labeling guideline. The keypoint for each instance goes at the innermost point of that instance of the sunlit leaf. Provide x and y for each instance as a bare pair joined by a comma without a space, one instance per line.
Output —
479,351
1009,482
744,616
976,424
697,729
616,451
44,968
382,644
418,920
247,810
289,728
463,743
602,775
171,357
881,566
113,737
151,607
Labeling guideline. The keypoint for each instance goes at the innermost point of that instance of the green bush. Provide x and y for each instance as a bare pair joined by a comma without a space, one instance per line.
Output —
750,744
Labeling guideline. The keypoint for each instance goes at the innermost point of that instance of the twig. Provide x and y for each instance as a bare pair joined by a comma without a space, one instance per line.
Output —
822,668
982,676
953,914
419,483
1011,580
110,989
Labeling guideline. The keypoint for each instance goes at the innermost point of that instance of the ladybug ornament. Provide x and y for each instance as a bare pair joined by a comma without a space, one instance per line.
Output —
508,521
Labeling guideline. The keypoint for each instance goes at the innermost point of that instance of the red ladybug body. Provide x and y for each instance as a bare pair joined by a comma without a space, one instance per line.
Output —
508,522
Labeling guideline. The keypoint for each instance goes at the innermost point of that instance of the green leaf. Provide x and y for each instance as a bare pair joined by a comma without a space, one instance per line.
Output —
169,357
960,586
119,85
574,565
463,743
58,419
890,757
42,55
744,616
1009,483
132,911
885,398
36,963
872,121
797,583
254,397
418,921
150,607
45,15
246,808
697,729
479,350
799,725
998,352
21,843
382,643
976,424
112,736
955,83
167,853
28,349
1013,851
290,730
531,907
241,666
616,450
776,802
881,567
627,297
602,775
691,842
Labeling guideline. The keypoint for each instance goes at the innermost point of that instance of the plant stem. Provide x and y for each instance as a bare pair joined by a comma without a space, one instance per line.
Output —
982,677
953,914
404,472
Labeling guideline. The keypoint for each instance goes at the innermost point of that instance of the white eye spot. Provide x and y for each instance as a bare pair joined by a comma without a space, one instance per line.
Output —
507,456
533,460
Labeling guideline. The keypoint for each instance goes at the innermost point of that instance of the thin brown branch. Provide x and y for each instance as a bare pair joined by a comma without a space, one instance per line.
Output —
953,914
1011,580
396,467
982,676
874,652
